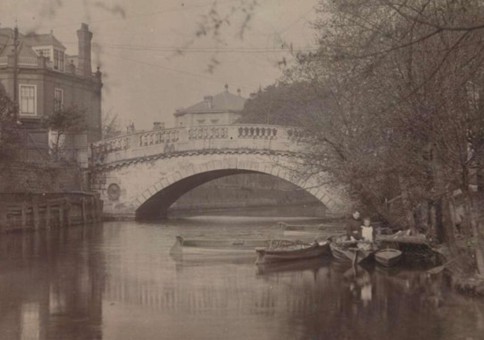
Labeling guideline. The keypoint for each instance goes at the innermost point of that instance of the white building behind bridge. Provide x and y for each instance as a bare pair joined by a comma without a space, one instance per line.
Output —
222,109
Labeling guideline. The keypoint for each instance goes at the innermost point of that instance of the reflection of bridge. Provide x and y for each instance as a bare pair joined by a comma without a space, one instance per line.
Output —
142,174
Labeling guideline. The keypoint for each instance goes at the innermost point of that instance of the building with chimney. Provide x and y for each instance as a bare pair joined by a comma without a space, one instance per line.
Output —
38,74
221,109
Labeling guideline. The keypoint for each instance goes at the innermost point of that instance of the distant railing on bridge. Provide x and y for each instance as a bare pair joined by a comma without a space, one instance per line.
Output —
210,137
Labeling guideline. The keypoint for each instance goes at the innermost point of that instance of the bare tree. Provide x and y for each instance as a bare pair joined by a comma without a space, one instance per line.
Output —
400,111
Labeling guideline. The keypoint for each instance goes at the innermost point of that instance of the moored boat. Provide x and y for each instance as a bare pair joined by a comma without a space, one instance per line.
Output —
388,257
353,252
216,245
290,251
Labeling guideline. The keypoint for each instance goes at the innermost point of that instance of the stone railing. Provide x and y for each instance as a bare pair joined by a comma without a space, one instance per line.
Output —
158,137
257,132
197,138
208,132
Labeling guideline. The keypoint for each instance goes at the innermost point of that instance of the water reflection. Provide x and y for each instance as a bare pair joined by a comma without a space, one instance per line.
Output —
50,286
117,281
359,283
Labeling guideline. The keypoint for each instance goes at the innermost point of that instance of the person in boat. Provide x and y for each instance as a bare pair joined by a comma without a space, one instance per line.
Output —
367,236
367,231
353,227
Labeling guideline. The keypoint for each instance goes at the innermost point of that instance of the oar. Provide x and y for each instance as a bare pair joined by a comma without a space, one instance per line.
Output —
354,259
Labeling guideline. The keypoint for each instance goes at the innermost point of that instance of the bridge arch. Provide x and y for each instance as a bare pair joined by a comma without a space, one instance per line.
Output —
154,191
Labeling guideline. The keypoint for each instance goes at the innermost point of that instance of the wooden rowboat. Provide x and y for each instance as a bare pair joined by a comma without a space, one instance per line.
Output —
388,257
292,251
350,252
183,245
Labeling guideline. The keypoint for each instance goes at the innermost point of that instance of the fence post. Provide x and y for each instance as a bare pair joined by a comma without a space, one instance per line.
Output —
35,212
23,212
61,214
3,218
83,210
47,214
67,206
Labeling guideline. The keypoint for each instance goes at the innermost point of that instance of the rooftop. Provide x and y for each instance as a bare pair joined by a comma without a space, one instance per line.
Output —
35,40
222,102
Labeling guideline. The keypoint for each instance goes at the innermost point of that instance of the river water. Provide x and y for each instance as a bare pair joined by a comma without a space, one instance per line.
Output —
117,281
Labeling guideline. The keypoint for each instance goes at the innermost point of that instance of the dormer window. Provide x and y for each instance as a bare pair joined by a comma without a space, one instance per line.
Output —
54,56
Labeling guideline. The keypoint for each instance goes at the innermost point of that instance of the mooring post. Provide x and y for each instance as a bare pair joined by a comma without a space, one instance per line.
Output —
61,214
3,218
67,211
94,209
35,211
23,212
90,208
47,214
83,210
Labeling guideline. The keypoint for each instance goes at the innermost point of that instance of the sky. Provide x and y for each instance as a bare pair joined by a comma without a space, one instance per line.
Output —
136,45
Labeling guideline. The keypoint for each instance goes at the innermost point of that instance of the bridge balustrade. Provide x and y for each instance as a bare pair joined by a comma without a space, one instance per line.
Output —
257,132
210,137
208,132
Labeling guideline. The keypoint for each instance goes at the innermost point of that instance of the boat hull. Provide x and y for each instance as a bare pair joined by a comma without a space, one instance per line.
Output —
267,255
212,245
388,257
349,254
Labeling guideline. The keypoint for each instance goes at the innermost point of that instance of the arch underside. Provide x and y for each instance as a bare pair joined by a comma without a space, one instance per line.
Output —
156,206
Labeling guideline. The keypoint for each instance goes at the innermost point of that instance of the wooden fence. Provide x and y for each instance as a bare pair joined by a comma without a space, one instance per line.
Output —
24,212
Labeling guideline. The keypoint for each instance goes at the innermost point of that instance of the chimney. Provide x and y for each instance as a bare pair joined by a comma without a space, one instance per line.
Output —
84,37
158,125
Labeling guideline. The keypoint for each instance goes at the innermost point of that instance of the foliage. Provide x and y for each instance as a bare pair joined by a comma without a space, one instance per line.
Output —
215,22
408,120
394,101
67,121
9,135
287,103
110,126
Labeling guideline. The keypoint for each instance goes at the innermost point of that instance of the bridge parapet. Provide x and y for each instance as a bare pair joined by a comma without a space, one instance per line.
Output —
200,138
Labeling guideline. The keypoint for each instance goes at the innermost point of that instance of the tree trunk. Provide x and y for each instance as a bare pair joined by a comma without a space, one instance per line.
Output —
448,224
406,205
432,218
478,233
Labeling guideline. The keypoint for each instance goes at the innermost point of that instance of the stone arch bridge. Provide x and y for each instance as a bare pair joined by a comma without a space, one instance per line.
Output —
142,174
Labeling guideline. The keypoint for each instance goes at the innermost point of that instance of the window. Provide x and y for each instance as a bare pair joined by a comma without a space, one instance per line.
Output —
214,121
58,60
200,121
45,52
28,100
58,99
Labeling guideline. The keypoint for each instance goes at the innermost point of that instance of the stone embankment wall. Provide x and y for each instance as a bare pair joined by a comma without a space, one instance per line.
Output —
35,211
